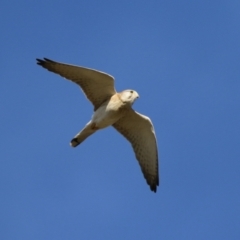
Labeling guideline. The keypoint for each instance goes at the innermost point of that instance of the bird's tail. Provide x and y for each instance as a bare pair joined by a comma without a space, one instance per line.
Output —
83,134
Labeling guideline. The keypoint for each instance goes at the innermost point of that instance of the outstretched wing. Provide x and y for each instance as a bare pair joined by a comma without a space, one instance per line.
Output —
139,131
97,86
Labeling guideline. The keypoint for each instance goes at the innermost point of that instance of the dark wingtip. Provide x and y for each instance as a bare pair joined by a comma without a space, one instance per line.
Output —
42,62
153,188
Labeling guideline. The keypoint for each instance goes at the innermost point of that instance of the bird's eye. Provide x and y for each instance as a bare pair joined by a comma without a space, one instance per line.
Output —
131,91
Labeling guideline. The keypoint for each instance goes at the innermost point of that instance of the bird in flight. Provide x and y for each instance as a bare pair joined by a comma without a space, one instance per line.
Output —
113,108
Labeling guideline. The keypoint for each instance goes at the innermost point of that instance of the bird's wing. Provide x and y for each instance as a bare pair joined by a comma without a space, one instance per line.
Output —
139,131
97,86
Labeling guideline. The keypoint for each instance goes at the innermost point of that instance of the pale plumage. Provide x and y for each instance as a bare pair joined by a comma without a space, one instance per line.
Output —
113,109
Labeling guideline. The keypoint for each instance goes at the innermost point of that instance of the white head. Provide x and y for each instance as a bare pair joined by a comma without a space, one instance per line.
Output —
129,96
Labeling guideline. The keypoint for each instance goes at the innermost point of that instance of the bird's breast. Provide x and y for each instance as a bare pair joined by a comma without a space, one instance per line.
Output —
107,114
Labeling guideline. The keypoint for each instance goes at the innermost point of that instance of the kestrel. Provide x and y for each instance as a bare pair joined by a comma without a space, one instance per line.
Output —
113,109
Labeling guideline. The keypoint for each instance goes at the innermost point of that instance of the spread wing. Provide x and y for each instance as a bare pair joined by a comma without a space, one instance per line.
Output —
139,131
97,86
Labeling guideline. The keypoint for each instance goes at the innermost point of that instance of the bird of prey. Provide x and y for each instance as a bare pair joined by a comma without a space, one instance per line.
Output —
113,109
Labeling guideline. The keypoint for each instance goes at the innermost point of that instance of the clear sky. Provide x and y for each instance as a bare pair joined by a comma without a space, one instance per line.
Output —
183,58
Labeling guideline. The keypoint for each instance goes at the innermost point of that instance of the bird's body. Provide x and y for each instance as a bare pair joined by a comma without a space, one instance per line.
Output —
113,109
108,113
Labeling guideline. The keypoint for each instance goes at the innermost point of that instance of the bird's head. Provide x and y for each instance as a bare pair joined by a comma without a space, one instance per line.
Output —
129,96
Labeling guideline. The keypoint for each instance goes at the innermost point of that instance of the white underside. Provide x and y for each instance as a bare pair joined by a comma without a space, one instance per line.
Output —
106,116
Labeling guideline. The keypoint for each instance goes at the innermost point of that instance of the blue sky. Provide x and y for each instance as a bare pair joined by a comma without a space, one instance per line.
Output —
182,57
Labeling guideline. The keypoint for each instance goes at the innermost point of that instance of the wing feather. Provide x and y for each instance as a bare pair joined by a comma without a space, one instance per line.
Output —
139,131
97,86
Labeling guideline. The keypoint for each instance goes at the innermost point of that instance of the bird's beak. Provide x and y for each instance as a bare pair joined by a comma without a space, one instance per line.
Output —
136,94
